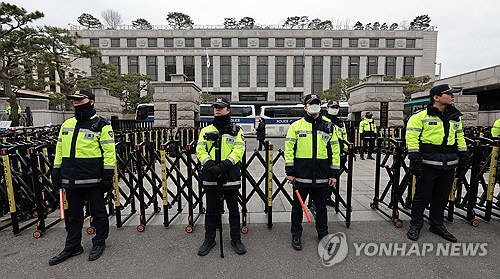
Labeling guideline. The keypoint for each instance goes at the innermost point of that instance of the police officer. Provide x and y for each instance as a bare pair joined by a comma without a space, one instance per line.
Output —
261,133
368,134
84,166
495,130
8,109
340,130
226,172
307,164
436,146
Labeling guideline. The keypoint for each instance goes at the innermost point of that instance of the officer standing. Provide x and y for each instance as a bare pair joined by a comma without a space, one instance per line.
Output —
495,130
340,130
8,109
84,166
308,165
436,146
368,134
261,134
226,172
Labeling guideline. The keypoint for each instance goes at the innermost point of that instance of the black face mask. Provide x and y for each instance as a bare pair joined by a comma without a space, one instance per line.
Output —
84,112
221,122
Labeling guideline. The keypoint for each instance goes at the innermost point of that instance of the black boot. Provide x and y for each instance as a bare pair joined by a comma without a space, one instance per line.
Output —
96,252
413,233
443,232
296,243
64,255
206,247
238,246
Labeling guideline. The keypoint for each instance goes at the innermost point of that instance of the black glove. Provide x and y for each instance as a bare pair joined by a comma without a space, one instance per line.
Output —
217,170
334,174
56,178
415,167
106,185
463,166
208,164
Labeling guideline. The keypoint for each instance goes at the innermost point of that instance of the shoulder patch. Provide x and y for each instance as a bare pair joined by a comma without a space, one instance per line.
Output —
110,134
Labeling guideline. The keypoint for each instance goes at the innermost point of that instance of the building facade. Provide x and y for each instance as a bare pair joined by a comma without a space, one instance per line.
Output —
258,66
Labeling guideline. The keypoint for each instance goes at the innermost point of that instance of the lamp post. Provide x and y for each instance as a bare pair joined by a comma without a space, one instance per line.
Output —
439,72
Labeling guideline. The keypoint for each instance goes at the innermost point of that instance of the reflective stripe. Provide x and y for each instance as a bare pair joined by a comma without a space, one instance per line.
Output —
462,149
87,131
202,143
304,132
107,141
109,167
454,162
58,166
239,143
310,181
497,127
214,183
411,150
335,167
335,142
68,129
429,162
228,136
206,160
431,120
231,160
82,181
289,164
324,134
414,129
291,140
59,139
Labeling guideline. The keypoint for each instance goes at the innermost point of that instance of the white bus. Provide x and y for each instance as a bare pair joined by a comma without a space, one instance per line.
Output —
279,117
243,115
145,112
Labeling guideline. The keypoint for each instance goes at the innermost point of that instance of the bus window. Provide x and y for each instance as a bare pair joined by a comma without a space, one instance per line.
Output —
206,111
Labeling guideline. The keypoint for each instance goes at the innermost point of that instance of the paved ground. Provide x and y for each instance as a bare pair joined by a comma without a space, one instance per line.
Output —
170,252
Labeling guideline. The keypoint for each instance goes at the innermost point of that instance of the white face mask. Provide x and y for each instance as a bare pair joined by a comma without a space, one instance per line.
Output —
333,111
314,109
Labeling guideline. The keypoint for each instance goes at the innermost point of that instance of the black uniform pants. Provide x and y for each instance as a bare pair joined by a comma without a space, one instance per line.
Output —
211,215
434,187
370,143
262,144
76,200
318,195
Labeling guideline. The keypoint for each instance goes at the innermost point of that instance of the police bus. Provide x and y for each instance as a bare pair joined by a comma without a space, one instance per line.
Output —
145,112
243,115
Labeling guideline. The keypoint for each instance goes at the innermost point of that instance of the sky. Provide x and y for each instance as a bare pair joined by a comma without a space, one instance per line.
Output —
468,31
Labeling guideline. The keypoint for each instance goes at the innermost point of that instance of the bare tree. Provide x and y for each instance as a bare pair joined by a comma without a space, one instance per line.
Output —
112,18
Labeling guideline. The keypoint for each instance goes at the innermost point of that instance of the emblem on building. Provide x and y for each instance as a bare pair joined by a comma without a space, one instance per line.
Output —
105,43
363,43
142,43
215,42
400,43
179,42
290,43
253,42
327,43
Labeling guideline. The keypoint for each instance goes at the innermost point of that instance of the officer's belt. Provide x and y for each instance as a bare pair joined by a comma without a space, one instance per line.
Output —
431,148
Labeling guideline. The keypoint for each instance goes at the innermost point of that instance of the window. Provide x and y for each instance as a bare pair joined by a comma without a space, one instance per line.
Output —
94,42
133,64
262,72
372,65
389,43
242,42
152,67
374,42
115,60
317,74
337,42
115,42
205,42
244,71
94,60
410,43
226,95
207,74
288,96
298,71
253,96
170,67
152,42
316,42
390,66
279,42
131,42
225,71
300,42
226,42
189,67
354,67
409,66
353,42
335,68
263,42
169,42
189,42
280,71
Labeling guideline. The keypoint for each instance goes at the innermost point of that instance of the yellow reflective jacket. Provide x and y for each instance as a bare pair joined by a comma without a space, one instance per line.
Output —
85,153
8,110
437,138
495,130
367,129
232,151
312,152
338,127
